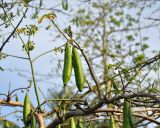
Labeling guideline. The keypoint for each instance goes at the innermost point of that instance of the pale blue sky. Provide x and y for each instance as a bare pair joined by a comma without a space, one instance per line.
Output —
44,42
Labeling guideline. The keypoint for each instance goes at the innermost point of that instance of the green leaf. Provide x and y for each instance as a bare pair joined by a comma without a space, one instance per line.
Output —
115,21
49,16
144,47
9,124
139,59
29,46
1,69
41,19
17,98
48,27
95,5
116,90
40,3
130,38
88,22
65,4
26,2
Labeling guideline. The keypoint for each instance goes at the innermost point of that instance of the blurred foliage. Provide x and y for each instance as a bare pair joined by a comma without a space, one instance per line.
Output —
112,35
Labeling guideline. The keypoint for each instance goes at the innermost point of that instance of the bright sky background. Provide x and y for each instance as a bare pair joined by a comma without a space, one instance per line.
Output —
44,42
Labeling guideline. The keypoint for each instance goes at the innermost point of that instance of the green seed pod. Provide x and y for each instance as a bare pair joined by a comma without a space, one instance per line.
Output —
6,124
126,114
131,119
78,69
59,126
17,98
72,123
79,124
90,125
33,121
67,69
26,108
112,122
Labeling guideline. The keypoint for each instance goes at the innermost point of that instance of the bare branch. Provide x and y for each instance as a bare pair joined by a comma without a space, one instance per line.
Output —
6,41
93,109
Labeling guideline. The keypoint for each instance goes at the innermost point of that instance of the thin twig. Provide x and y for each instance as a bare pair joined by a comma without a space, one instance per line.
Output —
21,88
6,41
93,109
46,53
19,57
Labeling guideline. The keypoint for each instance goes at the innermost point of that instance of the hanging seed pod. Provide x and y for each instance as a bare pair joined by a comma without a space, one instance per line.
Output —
112,122
67,69
72,123
78,69
126,123
131,119
26,108
89,125
6,124
79,124
59,126
33,121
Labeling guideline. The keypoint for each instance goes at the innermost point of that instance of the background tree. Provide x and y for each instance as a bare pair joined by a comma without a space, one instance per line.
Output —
112,39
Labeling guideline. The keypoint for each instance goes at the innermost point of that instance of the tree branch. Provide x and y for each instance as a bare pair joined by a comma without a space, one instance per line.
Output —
11,103
93,109
6,41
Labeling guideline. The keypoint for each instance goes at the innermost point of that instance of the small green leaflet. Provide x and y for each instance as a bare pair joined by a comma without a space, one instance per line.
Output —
65,4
